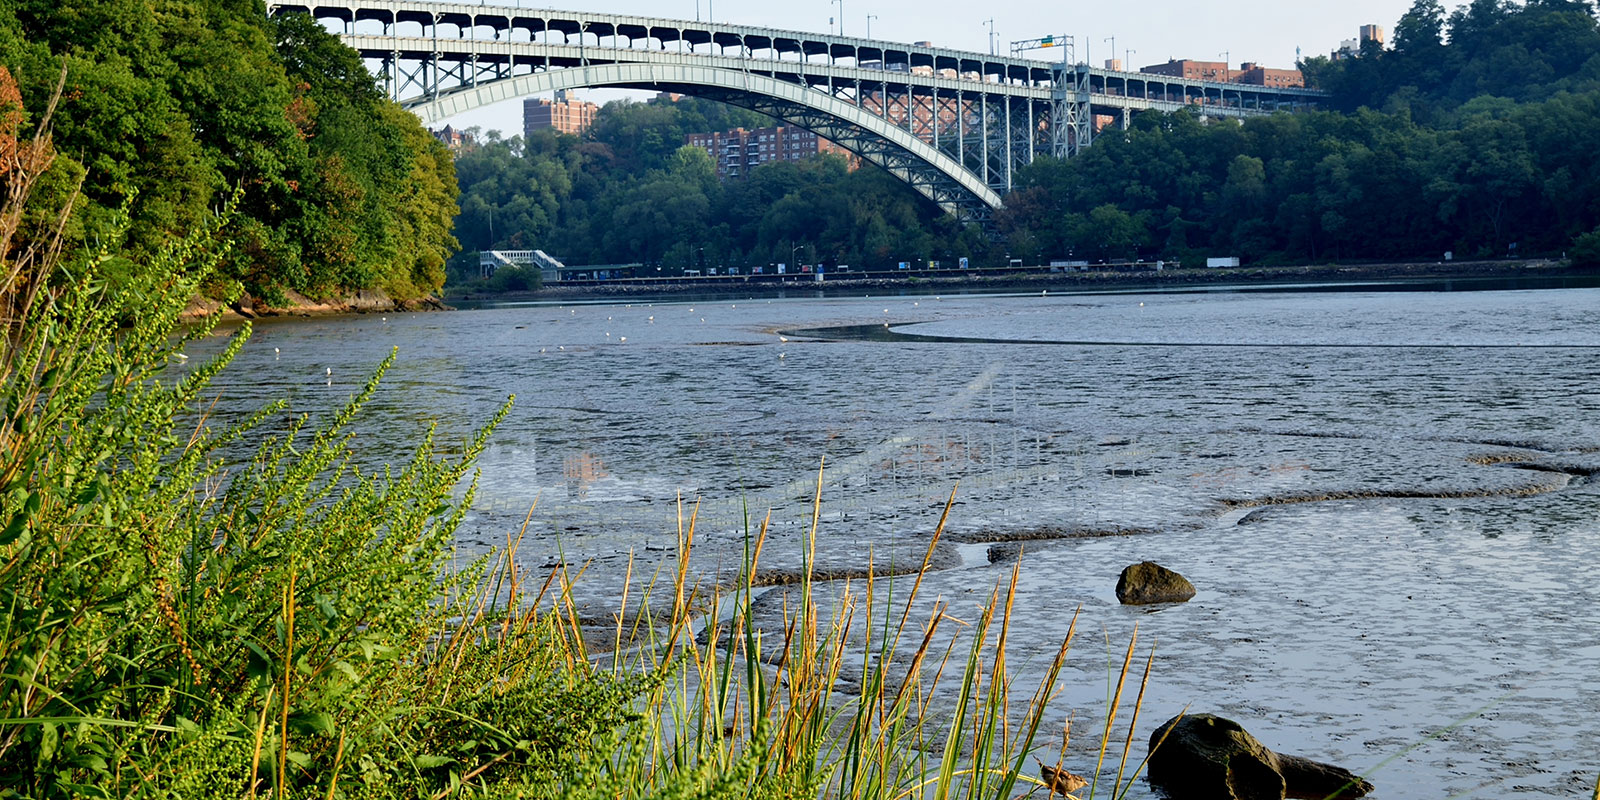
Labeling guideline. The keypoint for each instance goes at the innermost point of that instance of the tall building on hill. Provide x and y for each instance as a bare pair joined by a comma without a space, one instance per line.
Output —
1350,48
739,151
564,114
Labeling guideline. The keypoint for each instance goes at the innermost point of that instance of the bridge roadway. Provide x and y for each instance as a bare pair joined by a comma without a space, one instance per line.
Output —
954,125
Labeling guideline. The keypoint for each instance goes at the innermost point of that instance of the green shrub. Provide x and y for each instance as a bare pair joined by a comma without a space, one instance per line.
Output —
1585,250
514,279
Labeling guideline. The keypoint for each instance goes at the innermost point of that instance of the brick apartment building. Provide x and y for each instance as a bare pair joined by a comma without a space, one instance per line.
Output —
564,114
739,151
1257,75
1219,71
1191,69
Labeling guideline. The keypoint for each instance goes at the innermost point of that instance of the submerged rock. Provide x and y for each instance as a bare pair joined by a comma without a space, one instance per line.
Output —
1004,552
1206,757
1148,582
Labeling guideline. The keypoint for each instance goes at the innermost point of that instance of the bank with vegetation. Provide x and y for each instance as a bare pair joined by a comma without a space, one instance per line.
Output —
172,110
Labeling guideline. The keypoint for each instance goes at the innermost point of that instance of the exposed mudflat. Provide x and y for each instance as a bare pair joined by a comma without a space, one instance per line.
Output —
1386,500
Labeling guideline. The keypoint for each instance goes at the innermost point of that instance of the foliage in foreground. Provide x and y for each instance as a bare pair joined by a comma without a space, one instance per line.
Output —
287,626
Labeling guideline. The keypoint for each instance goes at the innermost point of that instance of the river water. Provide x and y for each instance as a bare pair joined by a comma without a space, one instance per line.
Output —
1382,497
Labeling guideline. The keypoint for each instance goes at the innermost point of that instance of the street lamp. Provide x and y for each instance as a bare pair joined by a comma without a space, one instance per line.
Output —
840,4
792,252
870,18
1113,41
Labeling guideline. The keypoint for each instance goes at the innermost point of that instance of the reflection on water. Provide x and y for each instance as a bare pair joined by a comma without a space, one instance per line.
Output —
1382,497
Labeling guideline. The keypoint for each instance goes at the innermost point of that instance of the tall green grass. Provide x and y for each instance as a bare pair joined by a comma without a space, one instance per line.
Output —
180,622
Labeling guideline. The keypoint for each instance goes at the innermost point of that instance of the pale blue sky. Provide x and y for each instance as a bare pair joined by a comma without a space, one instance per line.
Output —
1264,31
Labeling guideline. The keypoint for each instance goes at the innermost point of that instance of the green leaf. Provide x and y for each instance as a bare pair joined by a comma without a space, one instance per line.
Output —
18,523
433,762
313,722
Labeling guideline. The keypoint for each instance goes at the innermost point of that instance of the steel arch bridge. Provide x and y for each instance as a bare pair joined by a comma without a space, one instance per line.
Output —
953,125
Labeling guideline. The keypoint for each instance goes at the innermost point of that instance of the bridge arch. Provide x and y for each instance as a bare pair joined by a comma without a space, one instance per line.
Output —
876,140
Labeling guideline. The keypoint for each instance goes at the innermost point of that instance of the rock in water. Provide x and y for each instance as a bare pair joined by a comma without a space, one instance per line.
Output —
1205,757
1004,552
1148,582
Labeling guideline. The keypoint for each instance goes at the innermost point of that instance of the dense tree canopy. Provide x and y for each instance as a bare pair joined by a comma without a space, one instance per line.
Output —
629,191
172,106
1476,135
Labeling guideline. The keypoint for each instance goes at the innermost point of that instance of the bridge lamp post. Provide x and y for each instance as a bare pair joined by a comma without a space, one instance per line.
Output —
840,4
870,18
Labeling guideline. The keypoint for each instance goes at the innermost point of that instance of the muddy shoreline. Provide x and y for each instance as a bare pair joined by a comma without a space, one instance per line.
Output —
366,301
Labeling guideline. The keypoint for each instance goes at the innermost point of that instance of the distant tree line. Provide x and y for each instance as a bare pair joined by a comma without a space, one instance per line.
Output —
1476,134
630,191
175,108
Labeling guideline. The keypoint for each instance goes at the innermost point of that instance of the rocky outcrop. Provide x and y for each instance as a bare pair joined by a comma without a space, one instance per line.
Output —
1206,757
1148,582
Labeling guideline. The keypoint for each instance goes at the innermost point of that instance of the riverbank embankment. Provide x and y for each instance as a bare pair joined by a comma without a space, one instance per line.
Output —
365,301
1035,278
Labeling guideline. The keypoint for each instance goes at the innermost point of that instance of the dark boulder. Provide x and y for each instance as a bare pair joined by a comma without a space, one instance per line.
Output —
1148,582
1205,757
1004,552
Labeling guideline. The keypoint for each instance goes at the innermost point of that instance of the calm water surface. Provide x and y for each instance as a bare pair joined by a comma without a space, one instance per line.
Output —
1381,497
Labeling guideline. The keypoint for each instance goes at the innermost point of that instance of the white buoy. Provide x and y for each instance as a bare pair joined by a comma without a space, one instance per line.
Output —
783,339
623,339
329,372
